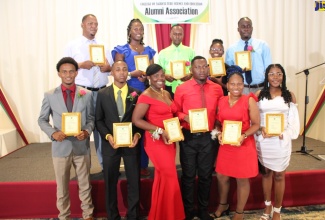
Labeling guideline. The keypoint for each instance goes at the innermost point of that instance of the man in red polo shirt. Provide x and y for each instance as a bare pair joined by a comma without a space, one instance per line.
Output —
198,150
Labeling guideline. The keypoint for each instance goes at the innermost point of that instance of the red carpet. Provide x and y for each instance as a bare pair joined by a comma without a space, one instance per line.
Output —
37,199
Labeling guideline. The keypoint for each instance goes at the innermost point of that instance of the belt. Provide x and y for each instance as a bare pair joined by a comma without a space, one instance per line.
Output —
91,88
254,85
188,134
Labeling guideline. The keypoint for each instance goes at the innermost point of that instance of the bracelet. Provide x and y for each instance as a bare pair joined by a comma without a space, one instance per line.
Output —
214,133
156,134
245,135
138,134
107,135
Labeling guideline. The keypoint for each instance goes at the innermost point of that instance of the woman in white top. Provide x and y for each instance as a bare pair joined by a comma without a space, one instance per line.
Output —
274,150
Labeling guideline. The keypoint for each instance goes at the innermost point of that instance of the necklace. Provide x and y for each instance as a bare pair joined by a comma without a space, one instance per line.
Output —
160,93
134,47
231,103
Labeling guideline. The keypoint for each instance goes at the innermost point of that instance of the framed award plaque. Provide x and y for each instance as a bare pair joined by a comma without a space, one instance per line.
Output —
141,62
274,124
173,129
122,134
217,67
178,69
71,123
243,59
198,120
231,132
97,54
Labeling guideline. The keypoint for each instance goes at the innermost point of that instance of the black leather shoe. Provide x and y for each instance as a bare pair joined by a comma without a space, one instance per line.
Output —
205,216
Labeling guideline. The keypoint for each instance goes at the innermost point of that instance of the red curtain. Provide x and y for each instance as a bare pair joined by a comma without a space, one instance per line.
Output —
163,39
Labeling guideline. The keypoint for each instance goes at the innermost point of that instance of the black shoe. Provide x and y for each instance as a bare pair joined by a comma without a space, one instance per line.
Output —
205,216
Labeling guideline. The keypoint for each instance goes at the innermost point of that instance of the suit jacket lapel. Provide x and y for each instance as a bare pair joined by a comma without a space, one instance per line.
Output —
59,95
112,100
76,99
128,102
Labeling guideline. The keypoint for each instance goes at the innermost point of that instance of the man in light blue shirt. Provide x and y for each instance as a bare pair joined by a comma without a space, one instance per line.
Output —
260,55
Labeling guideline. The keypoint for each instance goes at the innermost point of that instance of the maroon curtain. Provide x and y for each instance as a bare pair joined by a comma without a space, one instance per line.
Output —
11,115
163,39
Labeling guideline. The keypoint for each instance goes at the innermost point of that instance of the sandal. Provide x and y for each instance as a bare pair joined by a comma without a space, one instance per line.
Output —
266,216
224,212
239,213
277,210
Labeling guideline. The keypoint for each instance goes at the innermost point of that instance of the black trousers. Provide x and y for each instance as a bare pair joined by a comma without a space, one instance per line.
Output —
197,156
111,175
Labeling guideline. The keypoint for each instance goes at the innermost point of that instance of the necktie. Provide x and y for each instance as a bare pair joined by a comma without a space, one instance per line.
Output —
96,76
69,100
248,74
119,103
202,96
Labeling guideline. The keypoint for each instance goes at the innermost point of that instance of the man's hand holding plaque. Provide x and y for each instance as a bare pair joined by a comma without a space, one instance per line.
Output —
178,69
198,120
122,134
243,59
71,123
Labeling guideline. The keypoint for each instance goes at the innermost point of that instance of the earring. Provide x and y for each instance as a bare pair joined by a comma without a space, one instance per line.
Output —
268,84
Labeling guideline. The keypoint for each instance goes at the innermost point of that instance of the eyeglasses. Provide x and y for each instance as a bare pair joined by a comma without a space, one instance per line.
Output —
275,74
216,50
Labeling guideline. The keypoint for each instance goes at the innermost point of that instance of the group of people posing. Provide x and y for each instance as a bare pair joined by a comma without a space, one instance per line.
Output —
147,99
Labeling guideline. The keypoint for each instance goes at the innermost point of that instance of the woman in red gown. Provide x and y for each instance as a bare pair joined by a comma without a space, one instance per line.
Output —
155,105
237,161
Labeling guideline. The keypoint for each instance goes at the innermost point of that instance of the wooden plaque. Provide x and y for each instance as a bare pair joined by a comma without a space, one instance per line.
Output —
243,59
71,123
198,120
173,128
231,132
97,54
122,134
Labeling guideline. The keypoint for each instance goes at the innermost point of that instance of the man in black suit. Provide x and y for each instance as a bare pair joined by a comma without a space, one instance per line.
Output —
115,104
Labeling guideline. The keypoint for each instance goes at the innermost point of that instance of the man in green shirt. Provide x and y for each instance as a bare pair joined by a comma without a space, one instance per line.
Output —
175,52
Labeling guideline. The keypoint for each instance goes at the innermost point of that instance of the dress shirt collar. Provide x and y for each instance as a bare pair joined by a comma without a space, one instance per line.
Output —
249,41
72,88
180,46
86,40
124,90
193,82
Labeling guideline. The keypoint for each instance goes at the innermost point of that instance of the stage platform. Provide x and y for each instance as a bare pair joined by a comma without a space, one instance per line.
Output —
27,183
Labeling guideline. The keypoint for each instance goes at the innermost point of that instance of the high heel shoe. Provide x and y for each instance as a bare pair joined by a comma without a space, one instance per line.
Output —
266,216
238,213
224,212
277,210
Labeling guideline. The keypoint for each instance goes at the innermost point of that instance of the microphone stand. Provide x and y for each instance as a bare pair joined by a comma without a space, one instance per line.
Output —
303,149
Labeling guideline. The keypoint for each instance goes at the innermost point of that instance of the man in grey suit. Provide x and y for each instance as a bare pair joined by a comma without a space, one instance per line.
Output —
74,150
115,104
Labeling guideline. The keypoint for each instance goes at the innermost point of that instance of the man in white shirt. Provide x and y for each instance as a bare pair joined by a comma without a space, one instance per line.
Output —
90,76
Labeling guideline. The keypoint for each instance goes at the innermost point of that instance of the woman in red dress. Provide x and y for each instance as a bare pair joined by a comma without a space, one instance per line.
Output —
237,161
156,105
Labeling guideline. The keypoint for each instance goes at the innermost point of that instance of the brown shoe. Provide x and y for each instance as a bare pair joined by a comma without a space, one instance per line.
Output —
91,218
144,172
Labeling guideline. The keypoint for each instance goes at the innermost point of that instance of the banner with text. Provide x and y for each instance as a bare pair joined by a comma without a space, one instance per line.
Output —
172,12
